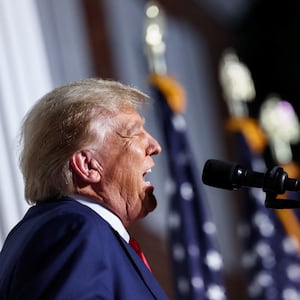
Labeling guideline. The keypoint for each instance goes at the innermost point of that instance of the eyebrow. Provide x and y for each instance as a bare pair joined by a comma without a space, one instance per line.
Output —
137,124
132,127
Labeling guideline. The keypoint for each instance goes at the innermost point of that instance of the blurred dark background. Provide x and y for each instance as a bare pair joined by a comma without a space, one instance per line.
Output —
56,41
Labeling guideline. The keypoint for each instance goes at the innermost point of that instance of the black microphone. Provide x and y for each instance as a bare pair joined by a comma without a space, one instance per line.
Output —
232,176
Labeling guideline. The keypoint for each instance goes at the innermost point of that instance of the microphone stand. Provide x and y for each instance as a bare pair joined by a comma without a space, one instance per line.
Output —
277,182
273,202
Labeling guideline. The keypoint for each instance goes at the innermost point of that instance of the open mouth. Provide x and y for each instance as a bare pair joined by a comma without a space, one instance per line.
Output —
145,176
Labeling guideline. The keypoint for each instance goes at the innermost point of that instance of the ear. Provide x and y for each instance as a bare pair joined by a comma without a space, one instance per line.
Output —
86,167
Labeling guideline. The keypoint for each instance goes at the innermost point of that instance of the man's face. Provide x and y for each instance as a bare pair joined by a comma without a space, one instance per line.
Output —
126,158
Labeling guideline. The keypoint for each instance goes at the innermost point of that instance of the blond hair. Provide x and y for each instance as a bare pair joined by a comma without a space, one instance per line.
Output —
59,125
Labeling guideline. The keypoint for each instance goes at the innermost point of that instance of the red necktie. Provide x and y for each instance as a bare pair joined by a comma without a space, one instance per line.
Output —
134,244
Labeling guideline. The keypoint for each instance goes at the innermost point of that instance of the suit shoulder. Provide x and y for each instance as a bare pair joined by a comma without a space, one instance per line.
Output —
73,215
59,219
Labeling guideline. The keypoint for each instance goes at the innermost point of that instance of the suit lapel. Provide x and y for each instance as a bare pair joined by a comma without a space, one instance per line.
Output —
147,277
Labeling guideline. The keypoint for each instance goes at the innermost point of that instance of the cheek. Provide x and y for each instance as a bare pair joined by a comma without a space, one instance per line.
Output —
126,168
133,157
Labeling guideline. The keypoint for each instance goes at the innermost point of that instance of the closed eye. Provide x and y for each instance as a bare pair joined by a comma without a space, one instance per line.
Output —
131,130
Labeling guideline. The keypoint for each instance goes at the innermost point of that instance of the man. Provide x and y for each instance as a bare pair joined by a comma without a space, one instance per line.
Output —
84,160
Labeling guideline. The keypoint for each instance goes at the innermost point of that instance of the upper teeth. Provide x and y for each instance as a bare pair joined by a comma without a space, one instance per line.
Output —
147,171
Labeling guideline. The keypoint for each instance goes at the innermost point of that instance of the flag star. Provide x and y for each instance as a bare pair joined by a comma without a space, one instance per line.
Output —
178,122
263,249
265,226
293,272
214,260
186,191
290,245
174,220
215,292
290,294
209,227
264,279
197,282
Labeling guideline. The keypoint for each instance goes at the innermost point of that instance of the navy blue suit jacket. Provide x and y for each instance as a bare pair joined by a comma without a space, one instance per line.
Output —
64,250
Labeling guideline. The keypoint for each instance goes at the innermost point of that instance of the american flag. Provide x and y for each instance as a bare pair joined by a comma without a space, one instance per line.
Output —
196,260
271,250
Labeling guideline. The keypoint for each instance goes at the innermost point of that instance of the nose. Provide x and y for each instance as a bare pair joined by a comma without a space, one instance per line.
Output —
154,147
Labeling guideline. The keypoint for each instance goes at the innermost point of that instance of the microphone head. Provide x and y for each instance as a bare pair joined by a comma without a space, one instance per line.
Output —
219,174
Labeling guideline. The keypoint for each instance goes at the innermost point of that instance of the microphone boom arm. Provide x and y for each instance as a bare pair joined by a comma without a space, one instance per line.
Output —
232,176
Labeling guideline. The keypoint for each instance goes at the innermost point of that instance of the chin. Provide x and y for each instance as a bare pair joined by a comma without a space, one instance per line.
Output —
150,202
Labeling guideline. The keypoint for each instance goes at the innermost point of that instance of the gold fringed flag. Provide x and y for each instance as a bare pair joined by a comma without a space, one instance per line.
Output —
271,251
196,260
270,237
197,263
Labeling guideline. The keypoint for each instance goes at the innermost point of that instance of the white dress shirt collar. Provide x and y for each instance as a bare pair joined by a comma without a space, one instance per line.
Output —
106,214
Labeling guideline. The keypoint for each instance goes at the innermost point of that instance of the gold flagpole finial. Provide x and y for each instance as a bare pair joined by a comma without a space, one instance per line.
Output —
237,84
280,123
154,30
155,49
